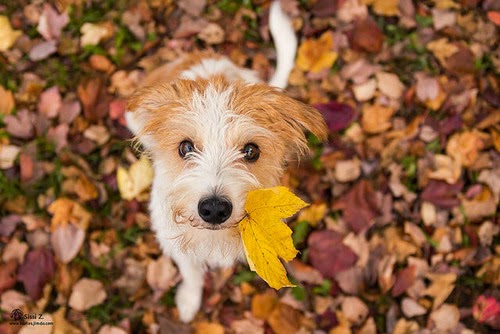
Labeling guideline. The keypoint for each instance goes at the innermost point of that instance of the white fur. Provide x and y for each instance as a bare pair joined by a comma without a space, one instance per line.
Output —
216,167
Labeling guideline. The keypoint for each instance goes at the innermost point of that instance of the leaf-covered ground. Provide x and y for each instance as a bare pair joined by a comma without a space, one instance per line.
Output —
402,234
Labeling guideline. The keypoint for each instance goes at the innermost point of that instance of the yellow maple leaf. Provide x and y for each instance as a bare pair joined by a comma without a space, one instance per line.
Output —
65,211
137,179
316,55
266,238
8,36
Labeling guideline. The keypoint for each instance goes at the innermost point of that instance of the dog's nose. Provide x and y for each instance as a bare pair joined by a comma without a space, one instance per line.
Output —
215,210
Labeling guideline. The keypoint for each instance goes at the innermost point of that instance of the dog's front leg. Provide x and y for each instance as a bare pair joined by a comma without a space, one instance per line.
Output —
190,291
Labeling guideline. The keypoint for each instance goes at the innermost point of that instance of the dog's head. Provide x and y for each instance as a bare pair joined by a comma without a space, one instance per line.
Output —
212,141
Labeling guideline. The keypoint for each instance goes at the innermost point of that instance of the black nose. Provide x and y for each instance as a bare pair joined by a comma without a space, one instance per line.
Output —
215,210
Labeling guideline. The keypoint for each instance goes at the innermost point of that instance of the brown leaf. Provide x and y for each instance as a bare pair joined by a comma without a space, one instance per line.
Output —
328,254
208,327
42,50
441,287
303,273
7,102
92,95
161,274
86,293
263,304
21,124
50,102
445,318
354,309
192,7
376,118
37,269
366,36
359,206
284,319
404,279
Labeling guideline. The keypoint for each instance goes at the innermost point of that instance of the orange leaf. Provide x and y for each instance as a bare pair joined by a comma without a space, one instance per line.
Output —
494,17
316,55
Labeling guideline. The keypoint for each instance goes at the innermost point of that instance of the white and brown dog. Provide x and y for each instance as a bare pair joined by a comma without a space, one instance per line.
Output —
214,132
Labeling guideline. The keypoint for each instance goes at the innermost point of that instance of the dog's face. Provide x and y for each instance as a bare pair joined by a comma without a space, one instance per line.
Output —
212,141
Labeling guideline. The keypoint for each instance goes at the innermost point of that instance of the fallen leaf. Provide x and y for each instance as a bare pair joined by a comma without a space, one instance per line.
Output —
61,325
359,206
338,116
265,237
248,326
15,250
12,299
316,55
404,279
464,147
351,280
487,231
350,10
284,319
442,49
404,326
263,304
442,194
66,241
136,180
37,269
86,293
94,33
161,274
59,136
365,91
354,309
50,102
108,329
212,34
389,84
446,169
445,318
8,276
376,118
97,133
442,18
366,36
440,288
20,125
482,205
8,154
95,101
8,36
304,273
347,170
66,211
384,7
411,308
486,310
192,7
328,254
42,50
7,102
385,272
51,23
208,327
494,17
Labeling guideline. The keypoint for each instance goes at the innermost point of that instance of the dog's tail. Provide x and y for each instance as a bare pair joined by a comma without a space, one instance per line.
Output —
285,42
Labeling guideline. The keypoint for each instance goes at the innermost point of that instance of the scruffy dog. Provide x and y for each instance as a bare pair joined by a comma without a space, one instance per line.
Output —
214,132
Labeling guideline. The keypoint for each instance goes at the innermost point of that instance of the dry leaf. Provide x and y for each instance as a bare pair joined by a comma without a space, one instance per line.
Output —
347,170
65,211
86,293
376,118
354,309
316,55
263,304
97,133
411,308
8,36
61,325
389,84
7,102
266,238
442,49
50,102
208,327
446,169
313,214
66,241
108,329
464,147
365,91
445,318
384,7
51,23
15,250
441,287
8,154
93,33
136,180
161,274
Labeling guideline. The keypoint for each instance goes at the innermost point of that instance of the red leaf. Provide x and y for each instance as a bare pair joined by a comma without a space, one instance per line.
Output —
8,275
404,279
359,206
338,116
328,254
37,269
442,194
487,310
95,100
494,17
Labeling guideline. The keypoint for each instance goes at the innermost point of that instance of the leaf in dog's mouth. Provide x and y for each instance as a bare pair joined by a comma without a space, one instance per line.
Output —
266,238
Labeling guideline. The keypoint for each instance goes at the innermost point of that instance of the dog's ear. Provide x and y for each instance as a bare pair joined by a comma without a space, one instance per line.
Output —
286,117
150,108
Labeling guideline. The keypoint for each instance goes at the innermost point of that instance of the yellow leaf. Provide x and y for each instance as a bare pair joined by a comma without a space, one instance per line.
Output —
137,179
464,147
266,238
376,118
442,49
92,33
316,55
8,36
7,102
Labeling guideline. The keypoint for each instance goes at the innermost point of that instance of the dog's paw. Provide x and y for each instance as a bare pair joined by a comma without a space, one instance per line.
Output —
188,301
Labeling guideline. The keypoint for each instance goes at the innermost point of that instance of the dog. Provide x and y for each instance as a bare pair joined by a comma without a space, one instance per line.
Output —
214,132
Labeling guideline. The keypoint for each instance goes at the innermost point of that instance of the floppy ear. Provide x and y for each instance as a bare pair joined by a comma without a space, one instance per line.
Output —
150,108
286,117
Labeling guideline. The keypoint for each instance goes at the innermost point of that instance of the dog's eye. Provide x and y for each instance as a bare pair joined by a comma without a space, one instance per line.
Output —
186,147
251,152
